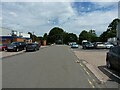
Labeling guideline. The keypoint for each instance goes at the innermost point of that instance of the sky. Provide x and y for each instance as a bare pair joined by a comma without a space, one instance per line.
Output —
72,17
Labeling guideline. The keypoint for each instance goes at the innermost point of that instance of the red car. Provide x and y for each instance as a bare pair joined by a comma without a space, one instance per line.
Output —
3,47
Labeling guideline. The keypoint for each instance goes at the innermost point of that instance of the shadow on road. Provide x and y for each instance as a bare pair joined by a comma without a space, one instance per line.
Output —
112,77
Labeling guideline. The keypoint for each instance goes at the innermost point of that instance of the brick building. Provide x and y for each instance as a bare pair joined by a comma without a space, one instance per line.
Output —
8,36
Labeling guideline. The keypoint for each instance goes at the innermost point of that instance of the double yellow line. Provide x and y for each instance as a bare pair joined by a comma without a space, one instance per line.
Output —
89,76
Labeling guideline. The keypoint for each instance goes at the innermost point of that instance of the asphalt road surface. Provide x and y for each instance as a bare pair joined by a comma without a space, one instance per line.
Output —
51,67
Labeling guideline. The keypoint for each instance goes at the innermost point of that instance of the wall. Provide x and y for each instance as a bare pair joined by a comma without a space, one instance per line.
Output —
5,41
18,40
44,43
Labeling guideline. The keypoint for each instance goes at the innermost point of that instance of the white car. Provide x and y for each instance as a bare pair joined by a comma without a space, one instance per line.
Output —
109,45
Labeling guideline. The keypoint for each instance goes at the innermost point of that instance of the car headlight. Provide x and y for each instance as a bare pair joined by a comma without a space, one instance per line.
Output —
15,46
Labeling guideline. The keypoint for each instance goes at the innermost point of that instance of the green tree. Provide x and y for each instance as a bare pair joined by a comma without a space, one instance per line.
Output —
45,36
93,36
33,37
55,34
84,35
111,31
70,37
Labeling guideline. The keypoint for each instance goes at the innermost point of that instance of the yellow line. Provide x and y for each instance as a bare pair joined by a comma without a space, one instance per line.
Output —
91,83
81,64
89,76
85,69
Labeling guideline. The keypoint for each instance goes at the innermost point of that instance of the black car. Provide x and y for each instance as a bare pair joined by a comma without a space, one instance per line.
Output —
113,58
16,46
87,45
32,47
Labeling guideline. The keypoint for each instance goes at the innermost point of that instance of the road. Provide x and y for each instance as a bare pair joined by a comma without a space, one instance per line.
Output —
51,67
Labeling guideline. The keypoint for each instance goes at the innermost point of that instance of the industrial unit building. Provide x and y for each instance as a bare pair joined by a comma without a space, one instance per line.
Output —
8,36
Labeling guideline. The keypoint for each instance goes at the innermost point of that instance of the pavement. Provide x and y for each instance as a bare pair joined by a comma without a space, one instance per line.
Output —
51,67
4,54
95,61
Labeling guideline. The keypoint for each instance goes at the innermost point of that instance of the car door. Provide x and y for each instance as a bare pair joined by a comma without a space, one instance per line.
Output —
112,57
20,45
118,58
115,57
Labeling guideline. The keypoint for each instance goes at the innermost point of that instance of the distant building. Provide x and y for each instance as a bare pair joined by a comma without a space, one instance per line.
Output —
8,36
113,40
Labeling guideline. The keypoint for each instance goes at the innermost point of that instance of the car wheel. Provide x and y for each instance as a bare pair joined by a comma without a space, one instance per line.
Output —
8,50
35,49
4,49
17,49
108,64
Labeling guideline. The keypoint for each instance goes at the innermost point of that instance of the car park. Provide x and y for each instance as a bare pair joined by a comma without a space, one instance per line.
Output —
109,45
32,46
16,46
74,45
113,58
3,47
87,45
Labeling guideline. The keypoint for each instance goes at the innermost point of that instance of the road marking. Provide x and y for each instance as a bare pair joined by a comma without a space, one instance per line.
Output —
89,76
112,73
81,65
91,83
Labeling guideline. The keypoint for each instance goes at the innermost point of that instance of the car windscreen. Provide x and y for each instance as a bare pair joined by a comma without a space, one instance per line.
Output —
87,43
115,50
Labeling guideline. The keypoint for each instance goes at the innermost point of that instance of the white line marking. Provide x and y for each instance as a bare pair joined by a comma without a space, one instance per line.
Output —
112,73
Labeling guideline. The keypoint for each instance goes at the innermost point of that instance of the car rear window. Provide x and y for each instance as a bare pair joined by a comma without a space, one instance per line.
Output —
115,50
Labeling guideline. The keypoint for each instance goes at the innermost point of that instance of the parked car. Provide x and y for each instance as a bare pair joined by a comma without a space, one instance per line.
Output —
3,47
16,46
74,45
32,47
113,58
87,45
108,45
98,45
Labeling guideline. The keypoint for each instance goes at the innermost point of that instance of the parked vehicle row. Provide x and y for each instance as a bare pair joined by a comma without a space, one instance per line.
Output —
19,46
16,46
96,45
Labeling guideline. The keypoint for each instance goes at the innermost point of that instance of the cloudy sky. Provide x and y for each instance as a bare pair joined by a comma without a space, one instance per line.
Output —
40,17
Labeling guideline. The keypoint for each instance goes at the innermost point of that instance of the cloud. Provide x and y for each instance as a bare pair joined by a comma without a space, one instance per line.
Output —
43,16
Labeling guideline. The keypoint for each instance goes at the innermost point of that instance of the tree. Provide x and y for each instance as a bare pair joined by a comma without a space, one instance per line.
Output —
93,36
84,35
111,31
45,36
70,37
33,37
55,34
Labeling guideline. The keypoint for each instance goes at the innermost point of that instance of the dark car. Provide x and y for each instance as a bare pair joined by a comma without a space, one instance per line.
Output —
113,58
3,47
16,46
32,47
87,45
